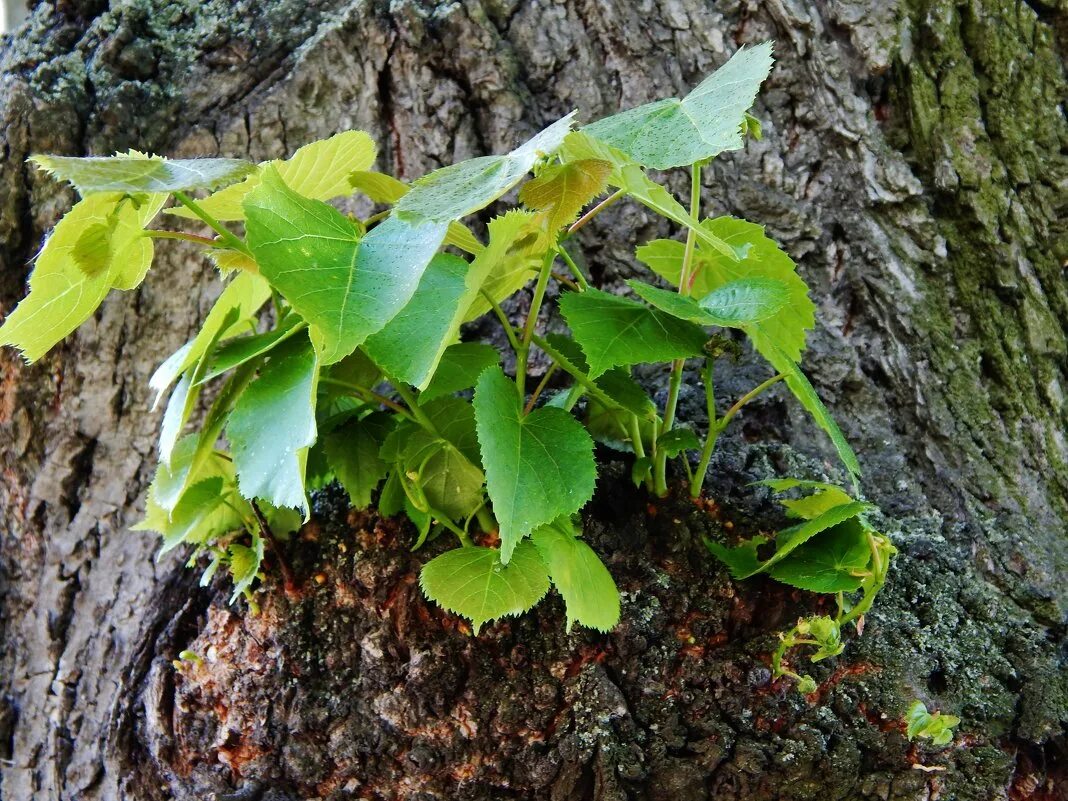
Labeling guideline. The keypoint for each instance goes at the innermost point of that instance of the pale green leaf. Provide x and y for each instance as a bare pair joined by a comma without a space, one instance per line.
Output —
708,121
632,179
538,467
378,186
615,331
472,582
459,369
320,170
937,727
135,172
346,288
560,191
62,295
234,311
760,257
245,565
509,261
460,189
590,595
273,425
735,303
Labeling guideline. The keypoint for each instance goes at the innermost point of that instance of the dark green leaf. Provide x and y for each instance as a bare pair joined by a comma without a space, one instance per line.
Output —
615,331
459,369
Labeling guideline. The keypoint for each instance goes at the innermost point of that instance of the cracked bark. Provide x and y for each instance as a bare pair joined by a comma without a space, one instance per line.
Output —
912,164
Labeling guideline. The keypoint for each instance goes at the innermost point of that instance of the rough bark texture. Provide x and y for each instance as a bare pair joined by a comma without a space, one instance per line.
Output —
912,163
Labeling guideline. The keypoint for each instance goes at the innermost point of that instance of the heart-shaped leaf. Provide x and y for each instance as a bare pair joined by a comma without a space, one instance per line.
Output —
474,583
538,467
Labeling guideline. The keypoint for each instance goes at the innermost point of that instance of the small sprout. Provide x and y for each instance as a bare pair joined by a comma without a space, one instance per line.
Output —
807,685
187,656
936,727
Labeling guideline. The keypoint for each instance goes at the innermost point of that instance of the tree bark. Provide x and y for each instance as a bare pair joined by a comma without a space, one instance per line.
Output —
913,164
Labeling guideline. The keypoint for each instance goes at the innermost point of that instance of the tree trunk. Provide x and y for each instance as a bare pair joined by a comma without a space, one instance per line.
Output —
912,162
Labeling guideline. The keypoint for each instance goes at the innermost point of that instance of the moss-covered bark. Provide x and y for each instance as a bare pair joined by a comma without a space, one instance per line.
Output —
913,163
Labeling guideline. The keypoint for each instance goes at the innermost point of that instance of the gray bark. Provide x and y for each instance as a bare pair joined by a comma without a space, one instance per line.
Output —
913,163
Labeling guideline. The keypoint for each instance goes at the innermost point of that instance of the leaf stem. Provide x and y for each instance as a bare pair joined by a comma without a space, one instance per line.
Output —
715,427
370,396
414,409
509,331
589,215
184,237
691,234
713,430
660,463
675,382
540,388
227,236
485,519
532,320
748,396
583,379
265,531
570,262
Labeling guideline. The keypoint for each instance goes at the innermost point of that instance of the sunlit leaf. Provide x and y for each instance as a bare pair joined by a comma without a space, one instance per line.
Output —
474,583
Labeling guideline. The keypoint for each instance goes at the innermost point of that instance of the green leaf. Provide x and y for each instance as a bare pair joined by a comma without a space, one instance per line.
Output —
459,369
538,467
245,565
615,331
320,170
590,594
199,515
708,121
732,305
678,441
631,178
273,425
240,350
510,260
828,564
442,473
352,451
345,287
618,384
936,727
826,497
449,483
760,257
62,294
474,583
412,343
560,191
461,189
135,172
378,186
234,311
742,560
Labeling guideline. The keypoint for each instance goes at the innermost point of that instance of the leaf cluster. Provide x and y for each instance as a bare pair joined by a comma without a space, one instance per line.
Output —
335,350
